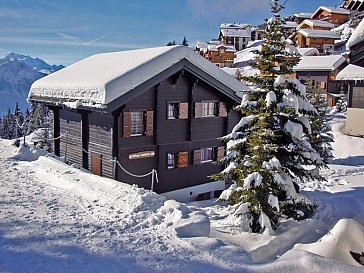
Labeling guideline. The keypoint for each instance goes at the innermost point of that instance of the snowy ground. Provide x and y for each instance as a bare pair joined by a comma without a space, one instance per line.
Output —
57,218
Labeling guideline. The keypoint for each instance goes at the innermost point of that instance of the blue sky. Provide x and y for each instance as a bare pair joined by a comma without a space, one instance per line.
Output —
65,31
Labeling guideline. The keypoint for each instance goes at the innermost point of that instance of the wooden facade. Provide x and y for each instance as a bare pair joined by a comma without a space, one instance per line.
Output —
357,54
332,16
320,43
95,138
220,55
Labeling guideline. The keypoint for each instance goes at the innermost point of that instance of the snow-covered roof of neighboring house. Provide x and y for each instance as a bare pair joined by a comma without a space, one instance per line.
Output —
290,24
246,55
234,25
336,10
316,23
308,51
217,47
201,45
303,15
357,36
235,32
351,73
315,33
100,79
319,63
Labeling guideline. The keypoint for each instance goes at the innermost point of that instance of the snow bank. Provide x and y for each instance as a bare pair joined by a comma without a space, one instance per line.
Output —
345,237
24,153
185,222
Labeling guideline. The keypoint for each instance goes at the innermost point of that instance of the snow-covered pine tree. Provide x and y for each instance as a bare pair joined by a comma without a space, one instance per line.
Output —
18,121
268,150
321,137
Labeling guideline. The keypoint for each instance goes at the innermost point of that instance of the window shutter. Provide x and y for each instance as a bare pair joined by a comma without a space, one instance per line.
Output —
220,153
126,124
183,110
196,157
198,109
149,125
182,159
223,109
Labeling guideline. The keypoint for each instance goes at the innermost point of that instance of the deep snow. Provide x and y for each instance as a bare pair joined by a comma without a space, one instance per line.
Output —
58,218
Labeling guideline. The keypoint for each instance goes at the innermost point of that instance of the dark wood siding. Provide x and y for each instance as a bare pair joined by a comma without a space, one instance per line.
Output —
100,140
71,122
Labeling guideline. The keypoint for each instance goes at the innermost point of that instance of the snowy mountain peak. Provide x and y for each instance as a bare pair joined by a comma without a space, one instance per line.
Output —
35,63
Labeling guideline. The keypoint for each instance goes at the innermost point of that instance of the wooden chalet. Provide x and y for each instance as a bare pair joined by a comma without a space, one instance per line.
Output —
353,76
355,45
323,40
315,24
334,15
158,108
354,5
321,71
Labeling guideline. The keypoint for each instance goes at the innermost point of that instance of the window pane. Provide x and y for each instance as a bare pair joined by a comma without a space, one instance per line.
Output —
172,110
206,154
209,108
136,123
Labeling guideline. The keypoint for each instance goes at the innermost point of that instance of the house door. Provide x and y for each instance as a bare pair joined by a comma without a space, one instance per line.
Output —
96,164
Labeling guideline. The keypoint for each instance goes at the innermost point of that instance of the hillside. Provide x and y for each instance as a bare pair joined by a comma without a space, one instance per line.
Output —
59,218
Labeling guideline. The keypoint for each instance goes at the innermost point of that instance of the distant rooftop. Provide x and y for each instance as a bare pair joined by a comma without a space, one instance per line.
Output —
351,73
319,63
336,10
317,23
315,33
303,15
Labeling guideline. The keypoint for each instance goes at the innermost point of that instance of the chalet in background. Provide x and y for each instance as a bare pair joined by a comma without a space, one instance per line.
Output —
334,15
157,108
321,71
353,75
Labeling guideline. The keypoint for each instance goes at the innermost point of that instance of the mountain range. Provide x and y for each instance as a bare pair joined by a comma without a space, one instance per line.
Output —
17,73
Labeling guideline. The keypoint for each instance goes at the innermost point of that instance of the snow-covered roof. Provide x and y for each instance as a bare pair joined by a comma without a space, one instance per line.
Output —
319,63
102,78
336,10
315,33
308,51
234,25
303,15
351,73
217,47
357,36
235,32
316,23
290,24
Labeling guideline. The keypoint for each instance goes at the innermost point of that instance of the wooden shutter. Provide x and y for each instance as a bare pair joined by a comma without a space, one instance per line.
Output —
149,123
126,124
223,112
183,110
198,109
220,153
96,164
196,157
182,159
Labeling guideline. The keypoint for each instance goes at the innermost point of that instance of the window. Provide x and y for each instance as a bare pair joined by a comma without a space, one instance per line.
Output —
209,109
172,159
177,160
173,110
136,123
177,110
207,154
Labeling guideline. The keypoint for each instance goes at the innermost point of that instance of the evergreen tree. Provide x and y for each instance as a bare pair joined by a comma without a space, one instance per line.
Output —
184,41
321,136
18,121
171,43
269,149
